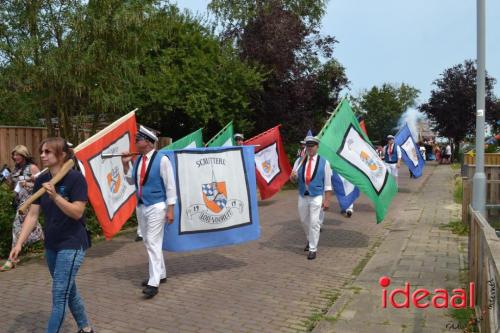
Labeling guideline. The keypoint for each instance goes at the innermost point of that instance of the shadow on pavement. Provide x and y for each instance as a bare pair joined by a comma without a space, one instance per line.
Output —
176,266
34,322
105,248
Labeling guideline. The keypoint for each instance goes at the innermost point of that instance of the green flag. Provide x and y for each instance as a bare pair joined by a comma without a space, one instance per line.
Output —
349,151
224,138
193,140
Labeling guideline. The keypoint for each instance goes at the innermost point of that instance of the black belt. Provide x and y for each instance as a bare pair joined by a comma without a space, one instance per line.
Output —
391,162
306,193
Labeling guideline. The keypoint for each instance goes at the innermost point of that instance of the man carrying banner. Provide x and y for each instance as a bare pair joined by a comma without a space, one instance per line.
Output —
392,157
315,189
238,139
153,176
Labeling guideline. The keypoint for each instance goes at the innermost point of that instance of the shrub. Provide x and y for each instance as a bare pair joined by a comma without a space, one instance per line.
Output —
7,214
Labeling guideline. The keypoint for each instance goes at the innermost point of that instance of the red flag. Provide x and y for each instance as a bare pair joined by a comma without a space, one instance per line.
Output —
271,162
112,198
362,125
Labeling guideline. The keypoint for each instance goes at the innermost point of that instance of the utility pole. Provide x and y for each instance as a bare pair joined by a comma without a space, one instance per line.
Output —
479,179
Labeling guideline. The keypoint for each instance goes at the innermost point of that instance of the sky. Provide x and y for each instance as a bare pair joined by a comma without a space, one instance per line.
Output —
395,41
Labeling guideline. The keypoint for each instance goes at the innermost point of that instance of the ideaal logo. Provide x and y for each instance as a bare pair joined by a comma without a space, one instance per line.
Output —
217,208
439,300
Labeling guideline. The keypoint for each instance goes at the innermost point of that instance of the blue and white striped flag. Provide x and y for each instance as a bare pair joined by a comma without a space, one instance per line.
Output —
345,192
410,151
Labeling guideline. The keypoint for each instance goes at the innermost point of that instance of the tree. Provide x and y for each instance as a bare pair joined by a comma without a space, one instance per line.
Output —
281,37
452,105
384,106
191,80
87,62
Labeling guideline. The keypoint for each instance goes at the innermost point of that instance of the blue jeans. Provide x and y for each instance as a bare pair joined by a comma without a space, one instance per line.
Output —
63,266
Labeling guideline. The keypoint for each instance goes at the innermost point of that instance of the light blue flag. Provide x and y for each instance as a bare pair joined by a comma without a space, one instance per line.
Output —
410,151
345,192
216,198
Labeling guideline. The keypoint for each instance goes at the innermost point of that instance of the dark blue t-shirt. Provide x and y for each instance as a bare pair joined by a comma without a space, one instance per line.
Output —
61,231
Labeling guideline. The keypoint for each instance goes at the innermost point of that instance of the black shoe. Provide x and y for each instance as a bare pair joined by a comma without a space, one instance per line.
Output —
311,255
82,331
349,213
145,282
138,238
150,291
306,248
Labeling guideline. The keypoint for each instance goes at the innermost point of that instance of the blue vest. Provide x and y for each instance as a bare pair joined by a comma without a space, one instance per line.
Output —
393,158
317,184
153,189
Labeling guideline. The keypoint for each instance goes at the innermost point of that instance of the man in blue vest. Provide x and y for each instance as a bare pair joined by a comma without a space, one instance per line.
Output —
313,174
392,156
153,176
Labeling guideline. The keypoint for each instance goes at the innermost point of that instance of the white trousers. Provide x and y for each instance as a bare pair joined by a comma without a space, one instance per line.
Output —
322,214
152,223
309,213
393,169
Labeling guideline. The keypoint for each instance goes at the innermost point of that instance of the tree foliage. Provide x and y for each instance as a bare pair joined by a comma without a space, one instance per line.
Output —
84,62
282,38
384,106
452,105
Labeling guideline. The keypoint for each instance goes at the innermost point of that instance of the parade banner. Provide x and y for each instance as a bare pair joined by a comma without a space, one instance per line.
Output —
350,153
193,140
216,198
112,198
271,162
410,151
345,192
224,138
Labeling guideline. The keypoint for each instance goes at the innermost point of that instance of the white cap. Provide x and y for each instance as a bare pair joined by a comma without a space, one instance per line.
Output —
147,134
238,135
311,139
390,136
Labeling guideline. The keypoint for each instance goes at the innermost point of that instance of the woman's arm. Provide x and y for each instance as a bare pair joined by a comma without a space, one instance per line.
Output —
28,226
72,209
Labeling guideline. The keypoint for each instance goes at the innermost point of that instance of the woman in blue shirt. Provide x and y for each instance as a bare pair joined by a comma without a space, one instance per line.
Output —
66,238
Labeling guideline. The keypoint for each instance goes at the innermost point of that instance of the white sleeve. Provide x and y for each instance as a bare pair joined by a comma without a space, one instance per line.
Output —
296,164
398,150
128,175
328,177
167,175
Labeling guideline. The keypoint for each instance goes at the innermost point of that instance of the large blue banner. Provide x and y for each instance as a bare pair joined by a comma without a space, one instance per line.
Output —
216,198
410,151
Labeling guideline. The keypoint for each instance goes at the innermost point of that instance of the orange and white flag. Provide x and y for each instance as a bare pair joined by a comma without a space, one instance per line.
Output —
112,198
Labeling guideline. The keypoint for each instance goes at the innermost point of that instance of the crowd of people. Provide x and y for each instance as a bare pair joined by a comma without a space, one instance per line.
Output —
65,236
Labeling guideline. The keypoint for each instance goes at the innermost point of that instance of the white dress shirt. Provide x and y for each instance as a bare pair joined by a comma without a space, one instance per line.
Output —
166,174
328,170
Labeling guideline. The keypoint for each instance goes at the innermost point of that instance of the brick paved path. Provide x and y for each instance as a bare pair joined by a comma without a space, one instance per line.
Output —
415,250
263,286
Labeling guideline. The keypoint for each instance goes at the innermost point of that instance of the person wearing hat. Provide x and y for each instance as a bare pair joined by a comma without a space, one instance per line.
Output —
313,174
302,149
238,139
153,176
21,180
392,157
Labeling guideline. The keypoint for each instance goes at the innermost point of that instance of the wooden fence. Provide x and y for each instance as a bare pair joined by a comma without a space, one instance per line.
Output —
11,136
492,198
489,159
484,261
